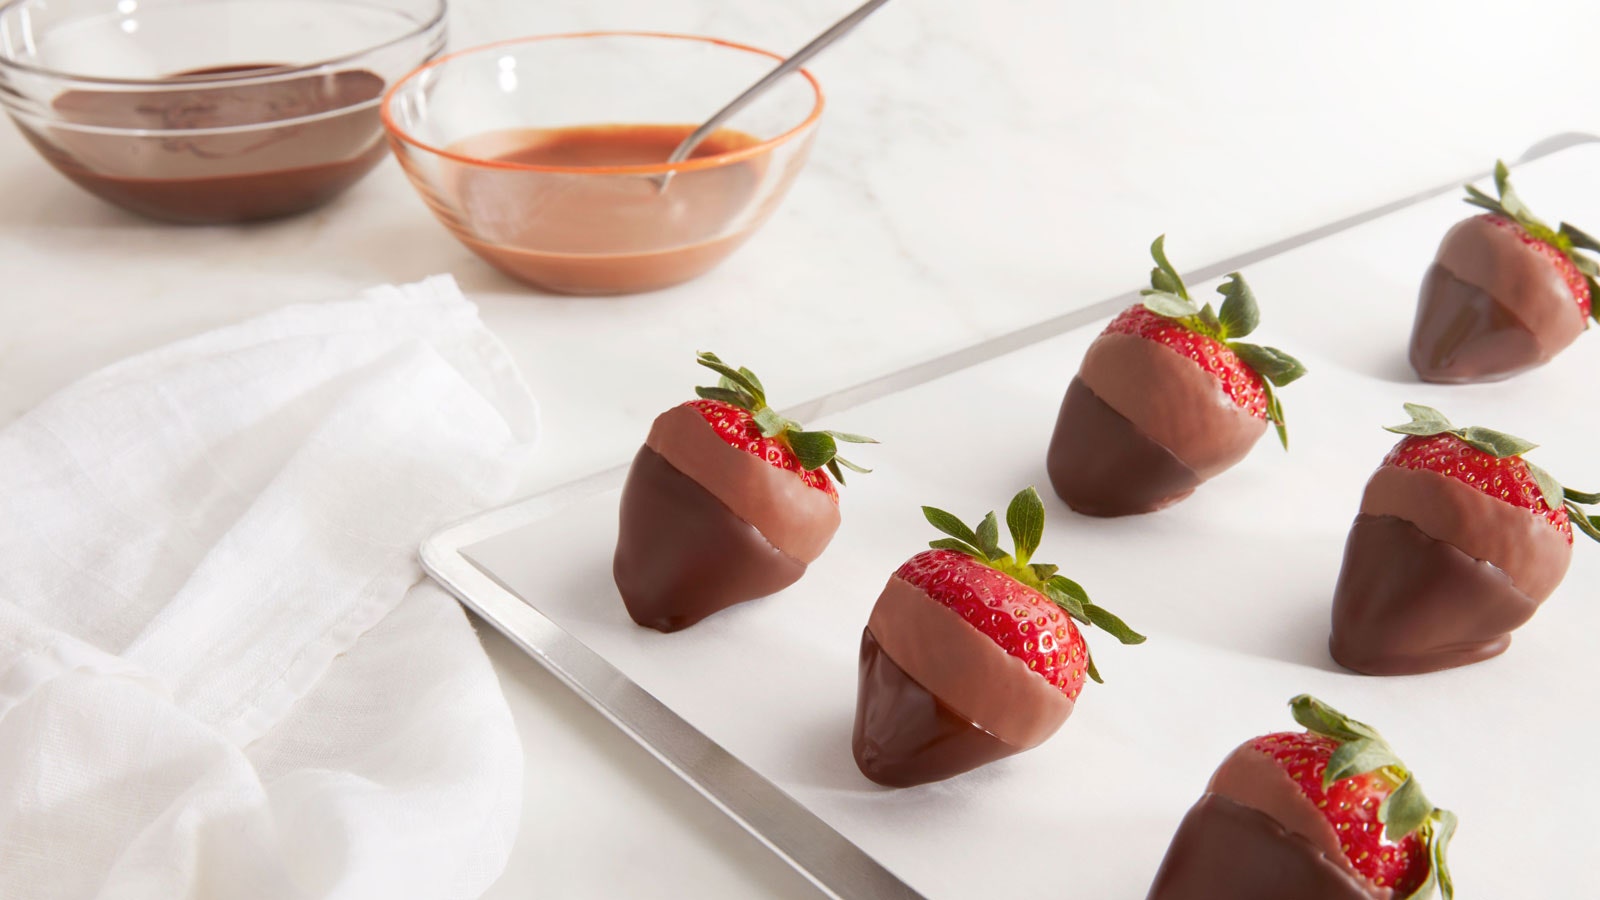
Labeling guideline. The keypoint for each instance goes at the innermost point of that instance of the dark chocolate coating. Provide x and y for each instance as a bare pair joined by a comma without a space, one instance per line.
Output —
1227,851
682,555
1463,335
904,735
249,169
1101,464
1406,603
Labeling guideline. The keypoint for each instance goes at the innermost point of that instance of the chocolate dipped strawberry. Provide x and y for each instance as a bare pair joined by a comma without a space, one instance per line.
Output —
1505,293
1329,813
1458,541
972,654
726,501
1166,398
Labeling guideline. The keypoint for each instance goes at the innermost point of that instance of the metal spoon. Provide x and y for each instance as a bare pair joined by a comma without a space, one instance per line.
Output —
818,44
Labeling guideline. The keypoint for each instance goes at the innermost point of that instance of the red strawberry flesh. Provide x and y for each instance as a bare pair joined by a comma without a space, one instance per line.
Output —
1504,478
1351,806
1576,283
1024,622
1239,381
738,428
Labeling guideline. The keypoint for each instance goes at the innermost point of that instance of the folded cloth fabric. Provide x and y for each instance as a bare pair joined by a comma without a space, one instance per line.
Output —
222,672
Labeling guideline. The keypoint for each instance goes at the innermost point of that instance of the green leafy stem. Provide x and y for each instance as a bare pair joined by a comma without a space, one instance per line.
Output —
1025,521
1363,750
1567,238
814,449
1427,422
1168,296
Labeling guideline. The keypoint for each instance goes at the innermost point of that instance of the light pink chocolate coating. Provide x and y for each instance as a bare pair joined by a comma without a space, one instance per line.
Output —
797,518
1497,261
1175,402
966,670
1532,553
1250,778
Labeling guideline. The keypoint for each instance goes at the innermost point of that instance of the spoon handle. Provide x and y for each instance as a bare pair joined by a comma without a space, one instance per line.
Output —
800,57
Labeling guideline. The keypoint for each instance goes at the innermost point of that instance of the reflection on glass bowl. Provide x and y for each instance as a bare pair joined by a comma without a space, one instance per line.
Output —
545,156
209,111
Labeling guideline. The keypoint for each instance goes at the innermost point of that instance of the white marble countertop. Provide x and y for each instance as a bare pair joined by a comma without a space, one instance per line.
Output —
981,166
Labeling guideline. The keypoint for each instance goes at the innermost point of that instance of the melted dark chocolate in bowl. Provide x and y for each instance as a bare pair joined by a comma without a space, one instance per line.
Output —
1463,335
579,232
904,735
1406,603
1101,464
682,555
251,169
1227,851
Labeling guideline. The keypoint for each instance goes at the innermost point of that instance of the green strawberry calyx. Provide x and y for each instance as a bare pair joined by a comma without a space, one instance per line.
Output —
1025,521
1427,422
1167,296
1567,238
814,449
1362,750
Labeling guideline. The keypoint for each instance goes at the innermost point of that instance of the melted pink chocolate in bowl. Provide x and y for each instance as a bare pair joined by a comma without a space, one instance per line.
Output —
563,189
580,233
225,159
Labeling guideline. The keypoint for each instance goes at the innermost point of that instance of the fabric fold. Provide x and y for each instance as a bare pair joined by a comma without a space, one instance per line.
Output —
222,673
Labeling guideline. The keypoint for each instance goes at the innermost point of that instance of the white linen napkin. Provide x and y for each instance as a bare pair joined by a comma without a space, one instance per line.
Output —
222,672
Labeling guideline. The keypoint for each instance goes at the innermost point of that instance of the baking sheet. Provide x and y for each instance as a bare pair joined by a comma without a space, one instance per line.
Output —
1232,586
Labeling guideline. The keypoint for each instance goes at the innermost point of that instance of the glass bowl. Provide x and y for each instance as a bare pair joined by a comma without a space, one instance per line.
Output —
208,111
545,156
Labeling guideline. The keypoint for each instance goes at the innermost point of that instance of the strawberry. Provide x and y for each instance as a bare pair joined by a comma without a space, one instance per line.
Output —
738,427
1489,467
1506,292
737,410
1381,831
1558,249
972,654
1166,397
1351,807
727,501
1243,385
1458,541
1021,619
